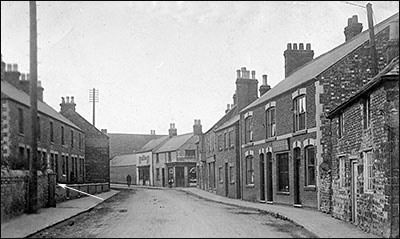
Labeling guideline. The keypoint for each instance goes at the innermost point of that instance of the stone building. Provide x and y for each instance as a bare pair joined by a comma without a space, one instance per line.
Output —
285,148
365,155
177,158
97,148
60,141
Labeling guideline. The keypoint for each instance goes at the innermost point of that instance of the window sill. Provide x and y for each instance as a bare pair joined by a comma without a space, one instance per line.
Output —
310,188
247,145
270,139
250,186
21,134
300,132
283,193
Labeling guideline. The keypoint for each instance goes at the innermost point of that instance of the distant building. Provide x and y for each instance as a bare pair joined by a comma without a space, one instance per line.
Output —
365,155
97,147
176,157
121,166
60,141
129,143
146,160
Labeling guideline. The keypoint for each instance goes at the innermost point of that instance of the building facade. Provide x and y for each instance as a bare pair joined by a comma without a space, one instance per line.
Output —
60,141
175,160
365,156
121,166
285,148
96,144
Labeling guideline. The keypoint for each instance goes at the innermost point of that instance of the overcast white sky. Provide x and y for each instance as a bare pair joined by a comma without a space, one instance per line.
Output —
157,63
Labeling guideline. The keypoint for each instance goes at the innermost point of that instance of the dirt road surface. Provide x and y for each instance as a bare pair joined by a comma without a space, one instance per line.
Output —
170,213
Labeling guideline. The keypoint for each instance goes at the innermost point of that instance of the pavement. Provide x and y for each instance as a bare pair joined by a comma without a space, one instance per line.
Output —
28,224
320,224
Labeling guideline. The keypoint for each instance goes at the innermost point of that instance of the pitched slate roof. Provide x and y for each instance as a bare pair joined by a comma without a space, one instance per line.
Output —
229,123
174,143
390,71
319,64
11,92
128,143
153,144
227,117
123,160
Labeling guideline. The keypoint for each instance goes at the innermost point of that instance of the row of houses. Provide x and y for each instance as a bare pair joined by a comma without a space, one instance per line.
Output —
325,137
165,161
68,146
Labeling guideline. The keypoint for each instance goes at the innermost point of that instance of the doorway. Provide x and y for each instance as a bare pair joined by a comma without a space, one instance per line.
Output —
262,178
354,176
296,167
180,178
226,180
163,177
270,190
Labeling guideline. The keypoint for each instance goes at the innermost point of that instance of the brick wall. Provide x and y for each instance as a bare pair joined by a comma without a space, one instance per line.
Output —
339,82
376,211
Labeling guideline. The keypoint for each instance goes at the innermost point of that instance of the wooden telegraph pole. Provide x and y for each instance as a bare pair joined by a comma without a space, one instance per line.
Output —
33,163
94,97
372,40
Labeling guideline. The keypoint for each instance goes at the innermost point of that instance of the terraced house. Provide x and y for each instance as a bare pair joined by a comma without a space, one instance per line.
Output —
285,134
60,141
219,166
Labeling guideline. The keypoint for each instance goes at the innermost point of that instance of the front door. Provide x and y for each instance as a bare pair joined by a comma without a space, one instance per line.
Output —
180,176
163,177
226,180
270,190
262,178
296,168
354,175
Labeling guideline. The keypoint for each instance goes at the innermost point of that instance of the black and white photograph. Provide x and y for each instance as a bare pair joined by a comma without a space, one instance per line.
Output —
200,119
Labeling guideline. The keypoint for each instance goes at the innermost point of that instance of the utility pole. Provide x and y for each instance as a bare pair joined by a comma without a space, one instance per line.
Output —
372,39
94,97
33,162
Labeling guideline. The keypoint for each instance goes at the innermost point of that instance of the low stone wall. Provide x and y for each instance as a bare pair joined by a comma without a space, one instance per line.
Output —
14,191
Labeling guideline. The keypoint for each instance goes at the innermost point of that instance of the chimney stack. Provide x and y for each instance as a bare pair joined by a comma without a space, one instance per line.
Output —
296,58
40,90
66,105
104,131
353,28
152,132
228,108
246,89
197,129
11,74
264,87
234,98
172,130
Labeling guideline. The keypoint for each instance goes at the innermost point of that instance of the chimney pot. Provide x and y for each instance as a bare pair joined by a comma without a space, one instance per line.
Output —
308,46
15,67
67,99
301,46
39,83
62,100
265,79
238,73
289,46
349,21
72,99
253,74
8,67
28,77
355,19
294,46
22,76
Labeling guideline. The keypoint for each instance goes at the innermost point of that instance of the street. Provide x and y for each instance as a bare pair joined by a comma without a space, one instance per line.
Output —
141,212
